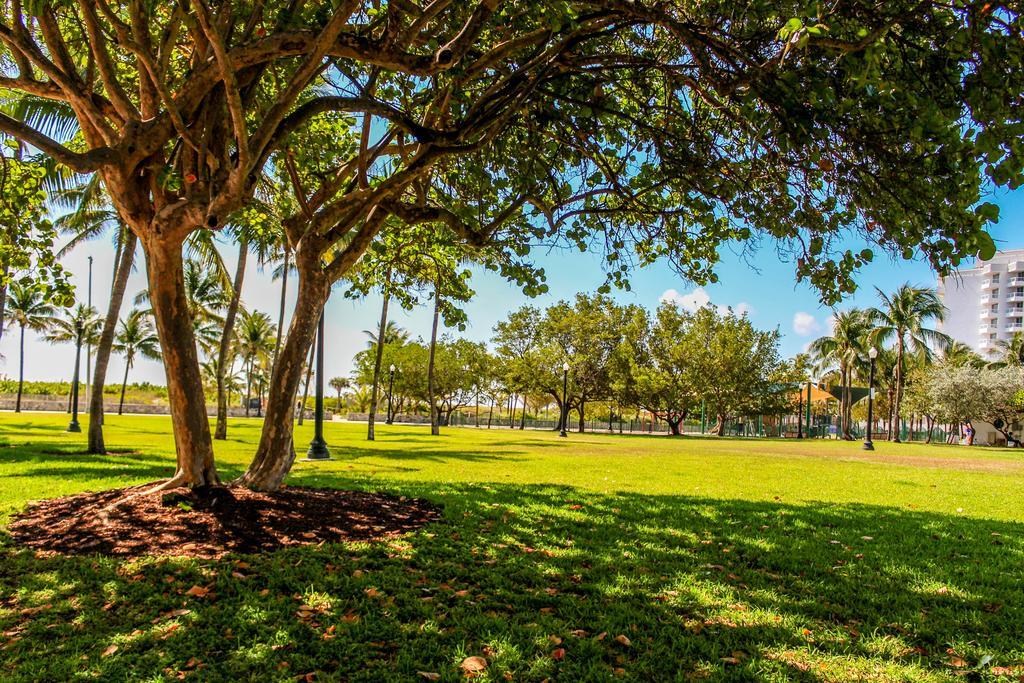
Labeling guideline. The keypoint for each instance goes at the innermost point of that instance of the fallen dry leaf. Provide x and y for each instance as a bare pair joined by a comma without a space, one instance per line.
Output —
429,675
623,640
558,654
110,650
197,591
473,664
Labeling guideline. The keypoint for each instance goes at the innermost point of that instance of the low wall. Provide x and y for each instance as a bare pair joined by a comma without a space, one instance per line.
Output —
50,404
404,419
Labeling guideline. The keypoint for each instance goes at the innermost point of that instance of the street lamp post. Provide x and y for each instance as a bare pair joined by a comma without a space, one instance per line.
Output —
88,347
565,398
872,354
391,386
318,446
74,426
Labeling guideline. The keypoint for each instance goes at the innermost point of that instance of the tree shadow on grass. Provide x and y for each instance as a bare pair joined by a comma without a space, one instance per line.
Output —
726,590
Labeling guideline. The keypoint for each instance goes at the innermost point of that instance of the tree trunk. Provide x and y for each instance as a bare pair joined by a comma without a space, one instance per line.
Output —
276,453
720,425
21,371
673,425
221,431
248,385
582,423
3,297
434,427
490,413
899,384
371,417
103,350
192,438
124,384
522,418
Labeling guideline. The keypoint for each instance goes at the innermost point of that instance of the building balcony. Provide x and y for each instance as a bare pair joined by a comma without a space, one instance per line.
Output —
1015,296
986,344
988,313
1016,281
1014,327
986,298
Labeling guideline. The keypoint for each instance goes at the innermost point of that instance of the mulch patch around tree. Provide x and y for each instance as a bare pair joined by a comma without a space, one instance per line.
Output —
208,523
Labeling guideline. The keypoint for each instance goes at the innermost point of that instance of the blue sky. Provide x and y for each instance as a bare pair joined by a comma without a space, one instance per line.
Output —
759,282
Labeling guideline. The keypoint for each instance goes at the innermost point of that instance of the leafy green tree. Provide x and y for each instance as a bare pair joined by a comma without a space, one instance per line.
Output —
135,337
27,308
903,318
844,349
671,129
81,324
586,333
254,344
739,365
28,256
339,384
1010,352
655,366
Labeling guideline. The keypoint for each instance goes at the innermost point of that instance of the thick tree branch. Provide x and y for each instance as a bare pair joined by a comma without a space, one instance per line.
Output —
86,162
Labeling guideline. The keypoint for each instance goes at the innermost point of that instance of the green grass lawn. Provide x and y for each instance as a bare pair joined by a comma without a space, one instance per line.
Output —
716,559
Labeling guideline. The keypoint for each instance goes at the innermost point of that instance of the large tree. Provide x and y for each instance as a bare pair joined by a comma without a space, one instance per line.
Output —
27,308
903,319
668,125
135,337
656,365
739,364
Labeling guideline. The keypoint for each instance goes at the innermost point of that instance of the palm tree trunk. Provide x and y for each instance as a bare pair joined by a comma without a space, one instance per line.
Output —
284,293
435,429
21,370
124,383
3,296
221,430
899,383
248,385
305,389
103,349
371,417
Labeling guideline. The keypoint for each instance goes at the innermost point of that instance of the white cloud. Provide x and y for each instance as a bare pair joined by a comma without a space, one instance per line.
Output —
805,324
699,298
742,308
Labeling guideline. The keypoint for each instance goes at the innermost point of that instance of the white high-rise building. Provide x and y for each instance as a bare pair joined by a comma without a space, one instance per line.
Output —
986,302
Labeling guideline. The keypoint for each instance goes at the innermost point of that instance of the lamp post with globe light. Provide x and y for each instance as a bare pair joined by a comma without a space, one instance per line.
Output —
565,398
391,385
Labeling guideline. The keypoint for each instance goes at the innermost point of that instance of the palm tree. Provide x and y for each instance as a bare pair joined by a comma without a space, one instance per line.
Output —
254,343
361,397
903,319
81,326
1010,351
207,298
844,349
339,384
393,335
27,309
136,337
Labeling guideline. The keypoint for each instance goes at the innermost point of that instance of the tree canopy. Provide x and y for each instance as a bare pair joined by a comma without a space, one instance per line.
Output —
641,129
